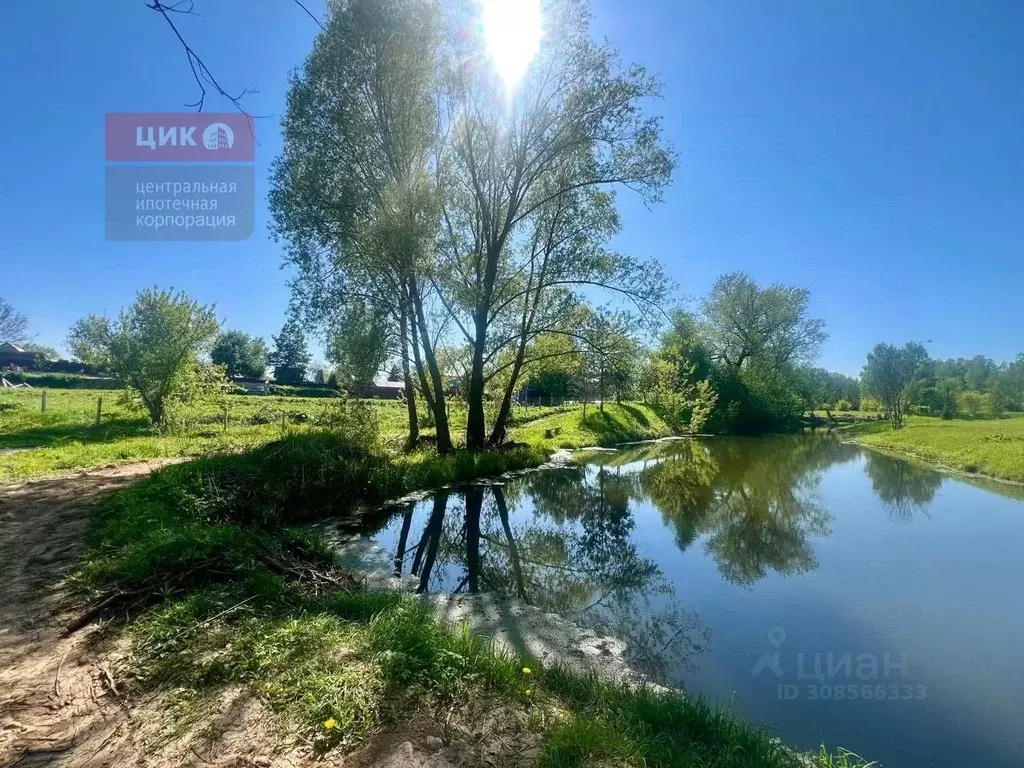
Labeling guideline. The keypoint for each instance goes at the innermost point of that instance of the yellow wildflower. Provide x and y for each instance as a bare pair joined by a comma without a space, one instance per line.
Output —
529,691
527,671
330,723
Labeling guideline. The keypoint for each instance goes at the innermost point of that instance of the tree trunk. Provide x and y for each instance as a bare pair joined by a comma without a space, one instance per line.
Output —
501,422
410,392
444,436
403,542
431,541
476,425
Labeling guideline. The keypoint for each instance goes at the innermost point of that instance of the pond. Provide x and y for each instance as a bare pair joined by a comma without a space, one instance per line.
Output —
834,594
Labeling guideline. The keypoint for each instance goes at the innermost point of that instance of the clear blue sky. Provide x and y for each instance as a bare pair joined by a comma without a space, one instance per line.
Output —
871,151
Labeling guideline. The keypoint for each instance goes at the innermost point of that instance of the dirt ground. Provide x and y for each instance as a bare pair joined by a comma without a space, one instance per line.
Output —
60,705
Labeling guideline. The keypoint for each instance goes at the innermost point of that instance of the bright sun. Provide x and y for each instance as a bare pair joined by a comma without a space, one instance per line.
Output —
513,30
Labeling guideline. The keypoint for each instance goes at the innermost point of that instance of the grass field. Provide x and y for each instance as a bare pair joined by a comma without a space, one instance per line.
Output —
993,447
65,437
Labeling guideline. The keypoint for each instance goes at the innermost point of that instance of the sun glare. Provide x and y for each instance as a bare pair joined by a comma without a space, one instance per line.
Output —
513,30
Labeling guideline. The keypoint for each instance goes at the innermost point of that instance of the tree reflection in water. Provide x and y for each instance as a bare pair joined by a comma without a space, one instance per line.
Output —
560,540
754,500
564,540
903,488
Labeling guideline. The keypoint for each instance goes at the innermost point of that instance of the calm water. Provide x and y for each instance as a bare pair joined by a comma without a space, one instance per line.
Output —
782,576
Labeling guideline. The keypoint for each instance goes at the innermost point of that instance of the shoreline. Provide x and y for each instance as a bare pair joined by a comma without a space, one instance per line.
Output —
928,463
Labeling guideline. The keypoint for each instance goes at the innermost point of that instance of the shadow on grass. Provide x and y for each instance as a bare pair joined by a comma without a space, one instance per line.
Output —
43,436
613,426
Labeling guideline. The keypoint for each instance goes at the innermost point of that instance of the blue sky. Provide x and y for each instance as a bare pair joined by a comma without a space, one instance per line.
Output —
871,151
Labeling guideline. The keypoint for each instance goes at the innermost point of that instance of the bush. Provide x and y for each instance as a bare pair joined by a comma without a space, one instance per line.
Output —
977,405
844,405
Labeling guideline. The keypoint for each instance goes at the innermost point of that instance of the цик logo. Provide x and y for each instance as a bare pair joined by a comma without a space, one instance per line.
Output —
218,136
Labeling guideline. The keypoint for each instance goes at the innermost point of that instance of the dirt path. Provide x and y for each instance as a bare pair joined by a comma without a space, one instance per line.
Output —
61,706
59,703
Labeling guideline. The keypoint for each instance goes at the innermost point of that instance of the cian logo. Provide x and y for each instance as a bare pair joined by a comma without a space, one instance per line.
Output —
218,136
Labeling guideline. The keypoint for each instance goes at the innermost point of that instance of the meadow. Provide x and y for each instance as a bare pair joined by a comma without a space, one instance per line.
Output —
992,447
66,437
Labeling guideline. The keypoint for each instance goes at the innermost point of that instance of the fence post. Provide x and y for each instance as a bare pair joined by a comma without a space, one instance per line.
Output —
99,409
44,402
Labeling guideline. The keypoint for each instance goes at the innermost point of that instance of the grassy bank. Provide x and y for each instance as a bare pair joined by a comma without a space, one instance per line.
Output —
65,437
993,447
223,590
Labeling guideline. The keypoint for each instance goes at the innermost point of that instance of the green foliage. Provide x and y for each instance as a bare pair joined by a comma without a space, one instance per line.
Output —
89,340
152,349
59,380
359,346
290,356
241,354
893,375
977,405
746,321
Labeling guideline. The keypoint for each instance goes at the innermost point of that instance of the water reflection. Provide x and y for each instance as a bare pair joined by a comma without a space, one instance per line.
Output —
903,488
572,554
564,540
754,501
834,543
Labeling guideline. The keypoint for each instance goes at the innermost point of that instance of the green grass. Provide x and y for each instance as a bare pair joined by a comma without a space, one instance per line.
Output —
65,438
617,423
190,551
993,447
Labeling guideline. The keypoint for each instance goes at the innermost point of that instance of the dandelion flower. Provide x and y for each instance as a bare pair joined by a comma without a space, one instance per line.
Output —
330,723
529,691
527,671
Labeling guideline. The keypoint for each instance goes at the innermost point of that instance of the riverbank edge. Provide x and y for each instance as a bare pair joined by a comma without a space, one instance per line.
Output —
930,463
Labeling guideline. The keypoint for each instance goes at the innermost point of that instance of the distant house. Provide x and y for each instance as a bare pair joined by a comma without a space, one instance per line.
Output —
252,386
387,390
13,356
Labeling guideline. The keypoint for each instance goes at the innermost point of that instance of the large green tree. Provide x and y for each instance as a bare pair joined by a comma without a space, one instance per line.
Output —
153,347
892,375
241,354
746,321
527,179
353,192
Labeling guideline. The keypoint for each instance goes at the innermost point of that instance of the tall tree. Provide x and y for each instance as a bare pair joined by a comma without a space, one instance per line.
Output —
747,321
241,354
526,174
291,355
13,324
353,192
892,374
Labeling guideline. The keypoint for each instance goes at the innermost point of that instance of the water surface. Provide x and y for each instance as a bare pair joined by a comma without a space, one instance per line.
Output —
834,594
